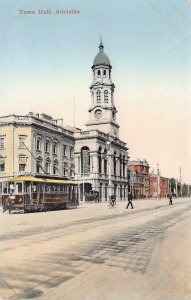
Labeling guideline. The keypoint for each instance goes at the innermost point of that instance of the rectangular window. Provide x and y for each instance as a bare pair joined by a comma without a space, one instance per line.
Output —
71,152
22,167
19,187
2,167
38,144
47,146
55,148
64,150
22,141
2,143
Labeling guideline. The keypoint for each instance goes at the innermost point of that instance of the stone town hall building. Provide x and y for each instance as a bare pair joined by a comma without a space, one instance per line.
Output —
100,156
38,145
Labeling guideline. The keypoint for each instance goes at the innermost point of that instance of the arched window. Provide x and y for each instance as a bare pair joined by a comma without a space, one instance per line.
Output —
123,165
98,73
39,165
85,160
55,167
47,166
106,96
99,161
105,162
120,162
114,164
104,73
98,96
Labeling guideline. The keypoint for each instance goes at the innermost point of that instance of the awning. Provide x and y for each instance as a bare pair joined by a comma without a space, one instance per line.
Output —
43,180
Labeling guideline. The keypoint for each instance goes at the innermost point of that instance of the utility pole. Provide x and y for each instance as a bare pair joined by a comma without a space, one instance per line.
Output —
158,182
180,182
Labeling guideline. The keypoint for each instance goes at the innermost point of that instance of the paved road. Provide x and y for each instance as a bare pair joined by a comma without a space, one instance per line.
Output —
97,253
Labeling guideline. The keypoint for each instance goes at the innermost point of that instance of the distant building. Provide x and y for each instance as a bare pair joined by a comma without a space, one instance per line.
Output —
139,178
158,186
35,145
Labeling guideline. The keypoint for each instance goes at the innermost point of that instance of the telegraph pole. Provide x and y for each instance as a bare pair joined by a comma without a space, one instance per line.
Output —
180,182
158,182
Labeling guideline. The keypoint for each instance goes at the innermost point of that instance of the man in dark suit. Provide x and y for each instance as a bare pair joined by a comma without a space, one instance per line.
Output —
130,198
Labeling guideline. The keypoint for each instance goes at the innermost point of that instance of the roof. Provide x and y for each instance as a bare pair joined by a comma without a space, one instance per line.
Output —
43,180
101,58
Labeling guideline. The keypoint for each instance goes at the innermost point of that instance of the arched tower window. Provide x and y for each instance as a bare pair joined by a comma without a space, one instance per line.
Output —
98,96
106,96
98,73
104,73
85,160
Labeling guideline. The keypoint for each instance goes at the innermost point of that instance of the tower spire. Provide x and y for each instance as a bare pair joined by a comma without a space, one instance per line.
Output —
101,44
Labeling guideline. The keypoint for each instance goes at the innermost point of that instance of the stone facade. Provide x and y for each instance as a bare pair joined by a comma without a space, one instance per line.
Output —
35,145
100,156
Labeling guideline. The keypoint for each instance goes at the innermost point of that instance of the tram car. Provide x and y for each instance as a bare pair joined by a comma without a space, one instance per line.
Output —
30,194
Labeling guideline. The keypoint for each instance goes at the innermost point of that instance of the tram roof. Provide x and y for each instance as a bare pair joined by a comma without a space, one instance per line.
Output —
43,180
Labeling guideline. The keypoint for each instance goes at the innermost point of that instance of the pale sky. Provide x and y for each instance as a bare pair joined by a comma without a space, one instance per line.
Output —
45,62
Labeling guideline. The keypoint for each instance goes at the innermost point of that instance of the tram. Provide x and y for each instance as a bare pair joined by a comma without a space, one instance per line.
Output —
30,194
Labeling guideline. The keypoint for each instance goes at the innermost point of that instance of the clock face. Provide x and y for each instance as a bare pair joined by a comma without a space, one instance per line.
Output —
98,113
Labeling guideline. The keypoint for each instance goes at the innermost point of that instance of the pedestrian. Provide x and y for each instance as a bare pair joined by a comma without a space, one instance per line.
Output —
9,205
170,199
130,198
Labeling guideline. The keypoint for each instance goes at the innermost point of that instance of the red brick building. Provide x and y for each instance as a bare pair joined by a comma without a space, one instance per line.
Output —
158,186
139,178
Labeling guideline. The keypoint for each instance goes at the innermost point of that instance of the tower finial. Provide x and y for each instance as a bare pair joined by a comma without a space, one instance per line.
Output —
101,44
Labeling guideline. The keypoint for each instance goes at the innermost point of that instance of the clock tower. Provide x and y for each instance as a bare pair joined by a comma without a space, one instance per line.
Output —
102,112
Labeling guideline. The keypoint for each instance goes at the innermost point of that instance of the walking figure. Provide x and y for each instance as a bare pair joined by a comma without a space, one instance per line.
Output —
9,205
170,199
130,198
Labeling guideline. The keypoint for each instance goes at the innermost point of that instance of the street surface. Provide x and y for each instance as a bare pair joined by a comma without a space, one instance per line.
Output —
98,253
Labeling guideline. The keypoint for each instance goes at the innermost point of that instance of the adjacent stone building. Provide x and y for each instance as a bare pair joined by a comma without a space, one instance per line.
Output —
35,145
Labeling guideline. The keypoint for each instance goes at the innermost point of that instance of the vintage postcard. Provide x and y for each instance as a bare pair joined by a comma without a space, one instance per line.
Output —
95,149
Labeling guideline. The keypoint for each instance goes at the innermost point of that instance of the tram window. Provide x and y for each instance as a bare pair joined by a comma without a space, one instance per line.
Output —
52,188
34,187
27,187
19,187
65,188
40,188
0,188
47,188
61,188
5,188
